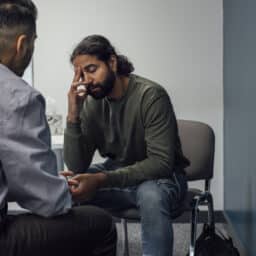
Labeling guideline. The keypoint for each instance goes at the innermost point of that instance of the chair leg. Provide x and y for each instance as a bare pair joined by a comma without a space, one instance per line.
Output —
194,220
125,240
211,220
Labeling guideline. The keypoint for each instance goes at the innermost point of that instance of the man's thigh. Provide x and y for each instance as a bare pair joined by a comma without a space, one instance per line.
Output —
164,193
81,230
114,198
170,191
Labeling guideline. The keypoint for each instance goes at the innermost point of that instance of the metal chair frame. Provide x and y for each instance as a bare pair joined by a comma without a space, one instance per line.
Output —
200,198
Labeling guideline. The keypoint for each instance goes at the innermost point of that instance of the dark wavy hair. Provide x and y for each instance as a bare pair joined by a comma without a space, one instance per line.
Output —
99,46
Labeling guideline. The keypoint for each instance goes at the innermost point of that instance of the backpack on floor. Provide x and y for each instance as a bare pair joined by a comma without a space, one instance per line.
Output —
209,243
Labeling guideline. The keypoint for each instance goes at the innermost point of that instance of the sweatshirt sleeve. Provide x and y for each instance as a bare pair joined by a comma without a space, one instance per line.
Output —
160,137
79,146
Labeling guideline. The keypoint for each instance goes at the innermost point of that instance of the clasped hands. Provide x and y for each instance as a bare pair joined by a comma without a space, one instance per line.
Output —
84,186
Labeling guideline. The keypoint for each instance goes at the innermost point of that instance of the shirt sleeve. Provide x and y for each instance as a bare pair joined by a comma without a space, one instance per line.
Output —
79,145
28,161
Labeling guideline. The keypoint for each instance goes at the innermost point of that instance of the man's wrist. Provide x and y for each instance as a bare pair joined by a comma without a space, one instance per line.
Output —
102,179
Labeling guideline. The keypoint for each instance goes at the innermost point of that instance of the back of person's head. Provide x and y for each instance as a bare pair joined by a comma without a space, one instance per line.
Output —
17,17
99,46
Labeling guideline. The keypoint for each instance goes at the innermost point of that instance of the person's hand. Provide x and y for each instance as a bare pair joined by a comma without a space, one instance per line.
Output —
76,95
84,186
67,174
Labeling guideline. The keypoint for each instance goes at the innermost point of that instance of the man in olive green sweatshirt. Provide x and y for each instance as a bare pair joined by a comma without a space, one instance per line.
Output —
131,122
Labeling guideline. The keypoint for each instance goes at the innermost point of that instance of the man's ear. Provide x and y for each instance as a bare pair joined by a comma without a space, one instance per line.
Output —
21,44
113,63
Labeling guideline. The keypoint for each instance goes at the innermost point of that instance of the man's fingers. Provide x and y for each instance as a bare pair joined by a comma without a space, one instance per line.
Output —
76,190
77,186
80,89
78,177
72,182
78,86
77,74
67,173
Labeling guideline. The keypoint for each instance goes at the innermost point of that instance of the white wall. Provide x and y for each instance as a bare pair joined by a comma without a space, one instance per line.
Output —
28,74
175,42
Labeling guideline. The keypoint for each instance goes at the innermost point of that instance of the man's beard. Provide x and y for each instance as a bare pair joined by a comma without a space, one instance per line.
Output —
105,87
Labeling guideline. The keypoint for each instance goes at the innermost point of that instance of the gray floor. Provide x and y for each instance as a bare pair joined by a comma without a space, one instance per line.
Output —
181,233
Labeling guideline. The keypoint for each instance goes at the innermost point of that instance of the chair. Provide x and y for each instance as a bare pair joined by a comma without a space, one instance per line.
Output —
197,141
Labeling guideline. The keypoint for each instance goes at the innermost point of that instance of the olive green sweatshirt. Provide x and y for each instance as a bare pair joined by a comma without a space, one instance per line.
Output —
137,131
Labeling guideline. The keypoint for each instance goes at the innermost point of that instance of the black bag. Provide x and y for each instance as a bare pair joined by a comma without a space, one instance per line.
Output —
209,243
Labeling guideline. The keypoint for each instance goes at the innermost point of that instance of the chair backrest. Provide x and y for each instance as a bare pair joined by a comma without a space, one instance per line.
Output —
198,145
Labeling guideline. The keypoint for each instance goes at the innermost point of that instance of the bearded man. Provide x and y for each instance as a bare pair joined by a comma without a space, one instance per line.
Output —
131,122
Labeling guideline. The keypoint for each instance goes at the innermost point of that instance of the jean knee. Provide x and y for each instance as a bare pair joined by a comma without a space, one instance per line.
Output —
150,197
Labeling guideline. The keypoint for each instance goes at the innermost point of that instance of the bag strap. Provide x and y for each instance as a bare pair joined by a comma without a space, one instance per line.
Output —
209,229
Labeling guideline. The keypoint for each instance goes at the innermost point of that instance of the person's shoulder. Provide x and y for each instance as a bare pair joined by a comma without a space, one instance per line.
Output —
23,92
147,85
13,83
15,91
149,89
16,96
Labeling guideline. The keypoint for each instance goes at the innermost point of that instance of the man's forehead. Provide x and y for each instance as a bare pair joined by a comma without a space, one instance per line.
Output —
85,60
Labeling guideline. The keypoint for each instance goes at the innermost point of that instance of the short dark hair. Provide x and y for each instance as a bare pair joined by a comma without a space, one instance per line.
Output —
99,46
16,17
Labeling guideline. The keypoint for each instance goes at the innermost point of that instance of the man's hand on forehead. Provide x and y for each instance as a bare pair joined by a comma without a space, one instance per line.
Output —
78,84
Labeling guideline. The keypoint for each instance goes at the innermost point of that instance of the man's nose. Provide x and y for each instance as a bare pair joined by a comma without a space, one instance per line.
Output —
87,78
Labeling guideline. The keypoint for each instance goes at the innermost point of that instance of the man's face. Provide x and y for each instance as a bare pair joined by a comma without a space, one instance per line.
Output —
97,75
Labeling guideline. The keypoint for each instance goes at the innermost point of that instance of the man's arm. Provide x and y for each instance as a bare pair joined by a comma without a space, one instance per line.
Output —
79,146
28,161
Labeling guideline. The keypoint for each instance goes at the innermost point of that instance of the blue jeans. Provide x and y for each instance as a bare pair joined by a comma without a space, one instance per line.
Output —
155,199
